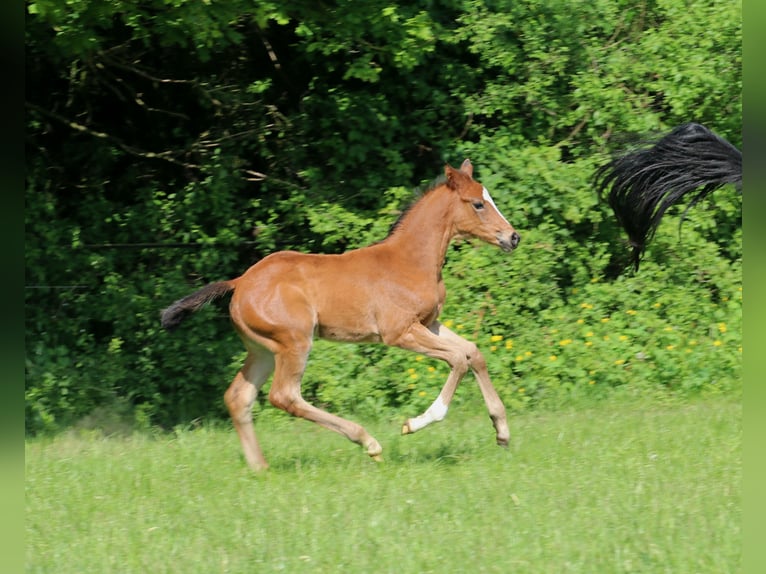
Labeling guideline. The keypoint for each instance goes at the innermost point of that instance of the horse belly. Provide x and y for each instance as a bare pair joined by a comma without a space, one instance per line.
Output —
345,334
347,322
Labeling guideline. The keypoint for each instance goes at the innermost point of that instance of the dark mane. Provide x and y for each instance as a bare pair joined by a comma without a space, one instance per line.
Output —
420,193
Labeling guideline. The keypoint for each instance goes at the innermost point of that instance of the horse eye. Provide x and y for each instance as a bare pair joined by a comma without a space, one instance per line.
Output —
478,205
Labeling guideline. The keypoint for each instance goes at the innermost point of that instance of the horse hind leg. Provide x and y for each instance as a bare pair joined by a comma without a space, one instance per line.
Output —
239,399
285,394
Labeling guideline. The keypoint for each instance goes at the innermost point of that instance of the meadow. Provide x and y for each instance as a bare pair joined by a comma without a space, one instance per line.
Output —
622,485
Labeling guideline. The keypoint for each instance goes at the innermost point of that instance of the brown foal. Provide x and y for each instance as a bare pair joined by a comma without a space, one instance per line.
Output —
390,292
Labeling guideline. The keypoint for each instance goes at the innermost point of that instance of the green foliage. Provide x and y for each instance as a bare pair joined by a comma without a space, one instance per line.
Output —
171,143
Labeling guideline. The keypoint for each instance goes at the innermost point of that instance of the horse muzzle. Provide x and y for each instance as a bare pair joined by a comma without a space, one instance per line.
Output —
508,242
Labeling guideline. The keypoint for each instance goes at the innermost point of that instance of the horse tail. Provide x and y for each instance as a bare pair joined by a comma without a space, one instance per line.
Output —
642,184
178,311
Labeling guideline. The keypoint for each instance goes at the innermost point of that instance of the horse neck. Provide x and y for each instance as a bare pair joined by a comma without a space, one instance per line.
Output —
425,232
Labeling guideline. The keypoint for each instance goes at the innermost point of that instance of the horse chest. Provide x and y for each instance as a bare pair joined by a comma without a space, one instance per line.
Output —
431,303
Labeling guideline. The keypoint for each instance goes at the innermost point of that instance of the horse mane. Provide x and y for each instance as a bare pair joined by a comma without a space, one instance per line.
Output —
641,184
420,193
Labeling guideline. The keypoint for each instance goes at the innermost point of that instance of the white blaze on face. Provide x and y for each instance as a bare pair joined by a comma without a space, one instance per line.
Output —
488,199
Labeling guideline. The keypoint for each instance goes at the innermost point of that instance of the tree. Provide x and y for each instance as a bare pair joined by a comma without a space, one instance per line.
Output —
173,142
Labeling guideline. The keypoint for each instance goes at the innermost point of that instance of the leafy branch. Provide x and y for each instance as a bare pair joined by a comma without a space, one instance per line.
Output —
167,156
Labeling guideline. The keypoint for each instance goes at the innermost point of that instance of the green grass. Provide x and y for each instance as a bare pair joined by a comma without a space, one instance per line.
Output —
619,487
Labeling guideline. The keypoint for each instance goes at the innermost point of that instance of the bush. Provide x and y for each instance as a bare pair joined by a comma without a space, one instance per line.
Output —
170,148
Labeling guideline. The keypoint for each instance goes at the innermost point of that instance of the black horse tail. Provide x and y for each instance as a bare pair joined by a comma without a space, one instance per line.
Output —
640,185
178,311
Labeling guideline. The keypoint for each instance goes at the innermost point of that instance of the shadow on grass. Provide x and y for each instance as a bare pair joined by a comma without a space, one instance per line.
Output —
436,448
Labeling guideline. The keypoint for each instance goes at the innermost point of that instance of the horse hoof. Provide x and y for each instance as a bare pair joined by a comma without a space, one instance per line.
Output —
374,450
502,441
406,428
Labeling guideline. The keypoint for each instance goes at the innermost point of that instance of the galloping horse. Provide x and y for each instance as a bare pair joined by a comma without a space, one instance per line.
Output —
642,184
390,292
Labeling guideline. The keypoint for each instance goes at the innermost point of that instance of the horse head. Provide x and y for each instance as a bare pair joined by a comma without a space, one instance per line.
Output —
476,214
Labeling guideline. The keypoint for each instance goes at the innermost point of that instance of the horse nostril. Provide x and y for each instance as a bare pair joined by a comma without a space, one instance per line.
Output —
515,239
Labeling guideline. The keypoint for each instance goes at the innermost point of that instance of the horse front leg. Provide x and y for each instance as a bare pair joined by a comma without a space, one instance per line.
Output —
495,405
439,342
492,400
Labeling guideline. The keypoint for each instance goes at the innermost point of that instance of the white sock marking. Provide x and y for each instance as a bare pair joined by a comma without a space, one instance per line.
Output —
438,409
435,413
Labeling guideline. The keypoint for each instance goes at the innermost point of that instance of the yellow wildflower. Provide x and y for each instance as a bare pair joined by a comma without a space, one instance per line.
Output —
553,357
496,338
722,327
565,342
619,361
717,343
623,337
631,311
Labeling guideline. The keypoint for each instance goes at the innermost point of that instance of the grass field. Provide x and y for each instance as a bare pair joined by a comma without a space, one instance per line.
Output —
625,487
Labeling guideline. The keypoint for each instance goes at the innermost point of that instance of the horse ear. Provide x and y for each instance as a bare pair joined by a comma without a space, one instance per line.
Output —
449,172
467,167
